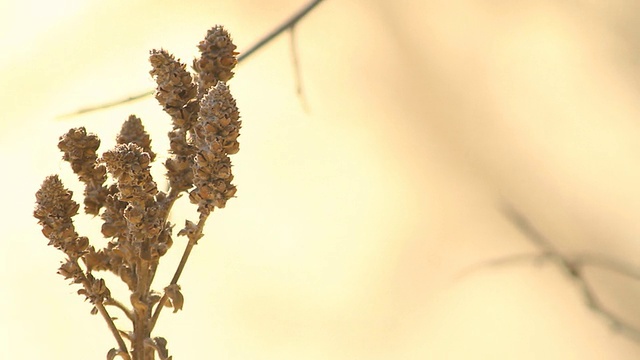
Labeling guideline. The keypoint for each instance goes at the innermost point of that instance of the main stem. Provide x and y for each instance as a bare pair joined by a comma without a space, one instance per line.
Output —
142,312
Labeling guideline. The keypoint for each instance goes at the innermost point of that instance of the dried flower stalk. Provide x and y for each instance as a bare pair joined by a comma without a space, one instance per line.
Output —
133,210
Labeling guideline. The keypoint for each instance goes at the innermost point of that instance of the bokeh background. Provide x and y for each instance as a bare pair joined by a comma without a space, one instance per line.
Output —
363,203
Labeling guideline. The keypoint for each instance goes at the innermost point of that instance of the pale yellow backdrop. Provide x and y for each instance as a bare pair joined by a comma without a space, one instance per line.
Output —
360,204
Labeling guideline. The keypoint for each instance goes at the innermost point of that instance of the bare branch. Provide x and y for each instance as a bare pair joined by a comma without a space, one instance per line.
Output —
573,267
287,25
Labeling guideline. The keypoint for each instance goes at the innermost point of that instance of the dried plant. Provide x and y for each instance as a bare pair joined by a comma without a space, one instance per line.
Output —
134,212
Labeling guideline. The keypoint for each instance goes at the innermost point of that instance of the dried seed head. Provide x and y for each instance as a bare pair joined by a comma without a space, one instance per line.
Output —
54,210
180,173
175,88
79,149
54,200
115,225
216,135
217,60
129,164
133,132
219,119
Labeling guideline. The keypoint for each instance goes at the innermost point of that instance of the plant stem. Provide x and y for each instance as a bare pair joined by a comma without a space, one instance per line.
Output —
105,314
122,346
193,239
141,309
113,302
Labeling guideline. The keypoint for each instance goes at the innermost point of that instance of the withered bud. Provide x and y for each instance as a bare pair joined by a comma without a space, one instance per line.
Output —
217,60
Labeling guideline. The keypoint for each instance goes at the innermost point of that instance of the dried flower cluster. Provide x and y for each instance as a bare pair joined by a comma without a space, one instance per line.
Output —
133,210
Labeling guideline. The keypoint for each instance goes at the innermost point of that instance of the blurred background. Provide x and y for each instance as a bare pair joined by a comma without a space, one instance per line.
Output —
361,206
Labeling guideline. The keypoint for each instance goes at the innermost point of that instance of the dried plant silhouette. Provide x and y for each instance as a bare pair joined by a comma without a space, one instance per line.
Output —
120,189
573,267
288,25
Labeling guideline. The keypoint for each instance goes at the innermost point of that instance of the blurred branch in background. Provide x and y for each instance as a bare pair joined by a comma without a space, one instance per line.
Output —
289,24
573,267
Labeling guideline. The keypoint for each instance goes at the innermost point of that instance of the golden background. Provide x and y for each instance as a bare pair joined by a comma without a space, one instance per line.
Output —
360,205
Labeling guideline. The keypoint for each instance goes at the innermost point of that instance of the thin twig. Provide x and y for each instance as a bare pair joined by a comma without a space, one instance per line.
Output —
296,68
523,224
288,24
106,105
573,267
609,264
504,261
291,22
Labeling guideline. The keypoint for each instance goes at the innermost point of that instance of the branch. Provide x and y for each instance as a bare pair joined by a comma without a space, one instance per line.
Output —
122,347
287,25
113,302
573,267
